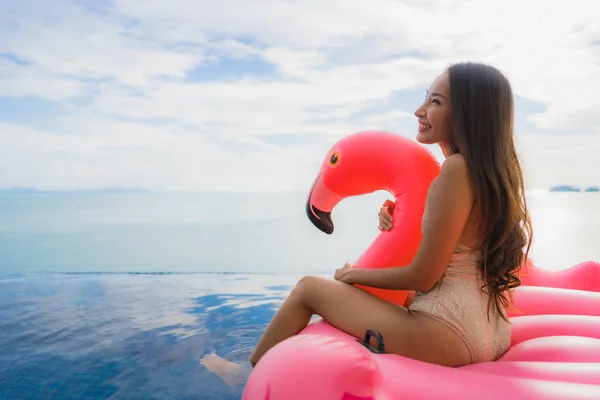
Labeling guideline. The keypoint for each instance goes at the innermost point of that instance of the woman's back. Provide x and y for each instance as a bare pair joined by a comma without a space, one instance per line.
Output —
458,301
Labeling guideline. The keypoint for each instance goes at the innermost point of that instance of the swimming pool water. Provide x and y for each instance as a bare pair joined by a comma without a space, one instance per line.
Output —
128,336
141,336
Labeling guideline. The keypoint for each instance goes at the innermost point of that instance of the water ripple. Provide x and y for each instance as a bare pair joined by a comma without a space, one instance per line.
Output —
128,336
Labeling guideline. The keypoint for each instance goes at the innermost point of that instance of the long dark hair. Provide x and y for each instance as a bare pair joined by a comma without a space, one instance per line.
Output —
483,118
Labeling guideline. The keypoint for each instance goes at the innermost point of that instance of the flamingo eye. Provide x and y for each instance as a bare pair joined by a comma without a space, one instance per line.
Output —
335,157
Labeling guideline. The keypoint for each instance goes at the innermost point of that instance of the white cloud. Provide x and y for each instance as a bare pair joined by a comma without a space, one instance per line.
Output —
254,108
133,155
20,81
335,59
306,23
551,159
62,39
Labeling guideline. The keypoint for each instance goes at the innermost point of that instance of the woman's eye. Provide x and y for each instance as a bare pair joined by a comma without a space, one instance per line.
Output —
435,101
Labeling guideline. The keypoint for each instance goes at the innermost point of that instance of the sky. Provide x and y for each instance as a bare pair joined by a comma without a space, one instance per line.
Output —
236,95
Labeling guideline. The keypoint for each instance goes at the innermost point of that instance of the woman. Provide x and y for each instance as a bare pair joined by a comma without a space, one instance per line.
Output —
475,228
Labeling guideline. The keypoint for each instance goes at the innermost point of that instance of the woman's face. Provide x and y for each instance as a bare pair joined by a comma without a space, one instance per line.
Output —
434,115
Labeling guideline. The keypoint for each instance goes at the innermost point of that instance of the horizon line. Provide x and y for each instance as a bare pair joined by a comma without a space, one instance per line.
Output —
125,190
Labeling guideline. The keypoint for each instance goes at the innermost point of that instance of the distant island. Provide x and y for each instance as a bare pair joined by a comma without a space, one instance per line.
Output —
564,188
30,190
567,188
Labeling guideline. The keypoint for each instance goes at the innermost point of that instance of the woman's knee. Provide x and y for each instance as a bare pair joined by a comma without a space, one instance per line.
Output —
307,287
308,284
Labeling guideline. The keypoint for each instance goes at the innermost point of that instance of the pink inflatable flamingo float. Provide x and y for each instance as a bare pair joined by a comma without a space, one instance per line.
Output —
555,350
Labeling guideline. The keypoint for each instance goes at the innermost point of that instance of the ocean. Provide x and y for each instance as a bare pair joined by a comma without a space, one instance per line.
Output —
118,296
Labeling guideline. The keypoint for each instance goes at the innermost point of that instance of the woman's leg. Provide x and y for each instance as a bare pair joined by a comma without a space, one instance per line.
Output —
353,311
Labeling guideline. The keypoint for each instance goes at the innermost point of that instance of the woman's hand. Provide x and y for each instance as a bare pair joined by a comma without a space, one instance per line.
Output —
344,274
385,218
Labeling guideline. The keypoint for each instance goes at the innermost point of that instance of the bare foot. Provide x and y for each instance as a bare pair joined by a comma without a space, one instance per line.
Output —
233,374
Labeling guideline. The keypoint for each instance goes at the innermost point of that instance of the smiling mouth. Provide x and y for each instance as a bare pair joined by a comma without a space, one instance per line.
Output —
424,126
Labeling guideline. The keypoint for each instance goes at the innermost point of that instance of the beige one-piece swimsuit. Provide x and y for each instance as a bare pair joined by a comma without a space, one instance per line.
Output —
458,302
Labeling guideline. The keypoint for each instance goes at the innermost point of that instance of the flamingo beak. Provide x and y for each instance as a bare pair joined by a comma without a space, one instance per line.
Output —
321,219
319,205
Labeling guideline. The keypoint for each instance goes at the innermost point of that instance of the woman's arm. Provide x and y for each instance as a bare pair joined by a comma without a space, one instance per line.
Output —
450,204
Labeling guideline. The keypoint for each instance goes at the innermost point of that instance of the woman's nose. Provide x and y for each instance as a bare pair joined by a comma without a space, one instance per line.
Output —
420,112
